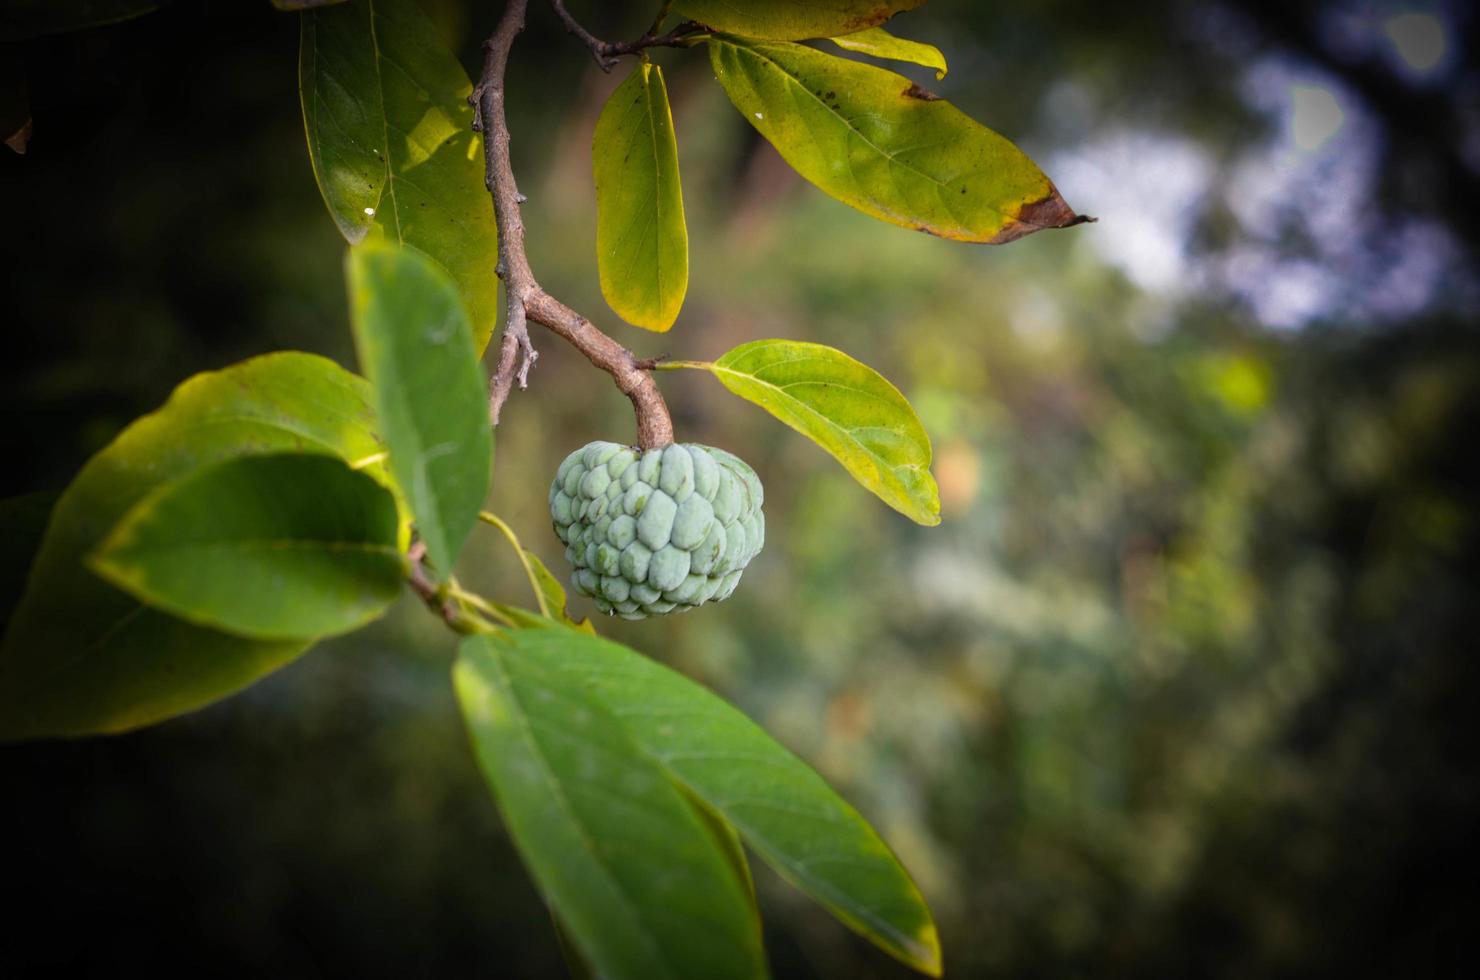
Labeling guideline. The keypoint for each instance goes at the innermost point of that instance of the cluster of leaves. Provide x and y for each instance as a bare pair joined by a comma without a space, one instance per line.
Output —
284,500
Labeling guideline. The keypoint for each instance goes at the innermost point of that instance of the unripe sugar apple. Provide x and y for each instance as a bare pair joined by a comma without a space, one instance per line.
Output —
656,531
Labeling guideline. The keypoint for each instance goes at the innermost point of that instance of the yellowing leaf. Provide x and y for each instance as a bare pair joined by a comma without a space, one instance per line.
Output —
790,20
848,409
390,135
879,43
642,243
879,143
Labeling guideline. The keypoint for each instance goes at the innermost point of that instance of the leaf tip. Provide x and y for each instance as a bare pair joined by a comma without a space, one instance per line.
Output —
1049,211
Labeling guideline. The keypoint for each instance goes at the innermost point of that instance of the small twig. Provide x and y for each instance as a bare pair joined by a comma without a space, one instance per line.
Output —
525,299
434,596
607,53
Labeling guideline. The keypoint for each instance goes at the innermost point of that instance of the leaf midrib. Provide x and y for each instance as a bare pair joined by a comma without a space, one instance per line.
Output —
565,804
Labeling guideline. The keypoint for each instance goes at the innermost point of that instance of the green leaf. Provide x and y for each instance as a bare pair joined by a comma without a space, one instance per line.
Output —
23,19
302,4
616,850
781,808
642,243
879,43
879,143
22,524
415,347
789,20
267,547
80,656
848,409
391,140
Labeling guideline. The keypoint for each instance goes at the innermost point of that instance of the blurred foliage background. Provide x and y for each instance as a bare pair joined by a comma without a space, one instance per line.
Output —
1180,686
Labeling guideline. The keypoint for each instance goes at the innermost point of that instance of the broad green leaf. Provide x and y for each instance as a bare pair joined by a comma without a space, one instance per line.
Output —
847,408
22,524
618,853
267,547
391,140
22,19
430,394
879,43
879,143
548,592
80,656
780,807
790,20
642,243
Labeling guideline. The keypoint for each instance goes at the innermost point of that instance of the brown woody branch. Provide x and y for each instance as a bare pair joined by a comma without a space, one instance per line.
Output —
608,53
525,300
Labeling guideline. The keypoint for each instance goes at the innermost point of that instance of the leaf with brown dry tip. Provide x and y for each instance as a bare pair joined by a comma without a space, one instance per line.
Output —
879,143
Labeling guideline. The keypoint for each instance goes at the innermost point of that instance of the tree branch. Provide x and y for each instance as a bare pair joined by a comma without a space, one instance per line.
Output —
525,300
607,53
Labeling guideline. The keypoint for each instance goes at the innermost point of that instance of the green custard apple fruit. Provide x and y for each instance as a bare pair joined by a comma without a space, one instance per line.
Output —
658,531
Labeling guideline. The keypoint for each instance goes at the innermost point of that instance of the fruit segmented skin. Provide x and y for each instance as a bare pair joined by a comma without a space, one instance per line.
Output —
660,531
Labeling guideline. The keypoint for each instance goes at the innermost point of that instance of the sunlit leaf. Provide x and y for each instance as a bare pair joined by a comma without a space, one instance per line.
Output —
391,140
879,43
642,244
81,656
848,409
879,143
430,393
780,807
269,547
790,20
21,19
636,878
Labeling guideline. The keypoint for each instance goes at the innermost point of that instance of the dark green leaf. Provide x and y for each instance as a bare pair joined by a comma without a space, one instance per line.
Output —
22,19
848,409
268,547
879,43
430,394
879,143
642,243
619,854
22,524
82,657
790,20
391,140
302,4
780,807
